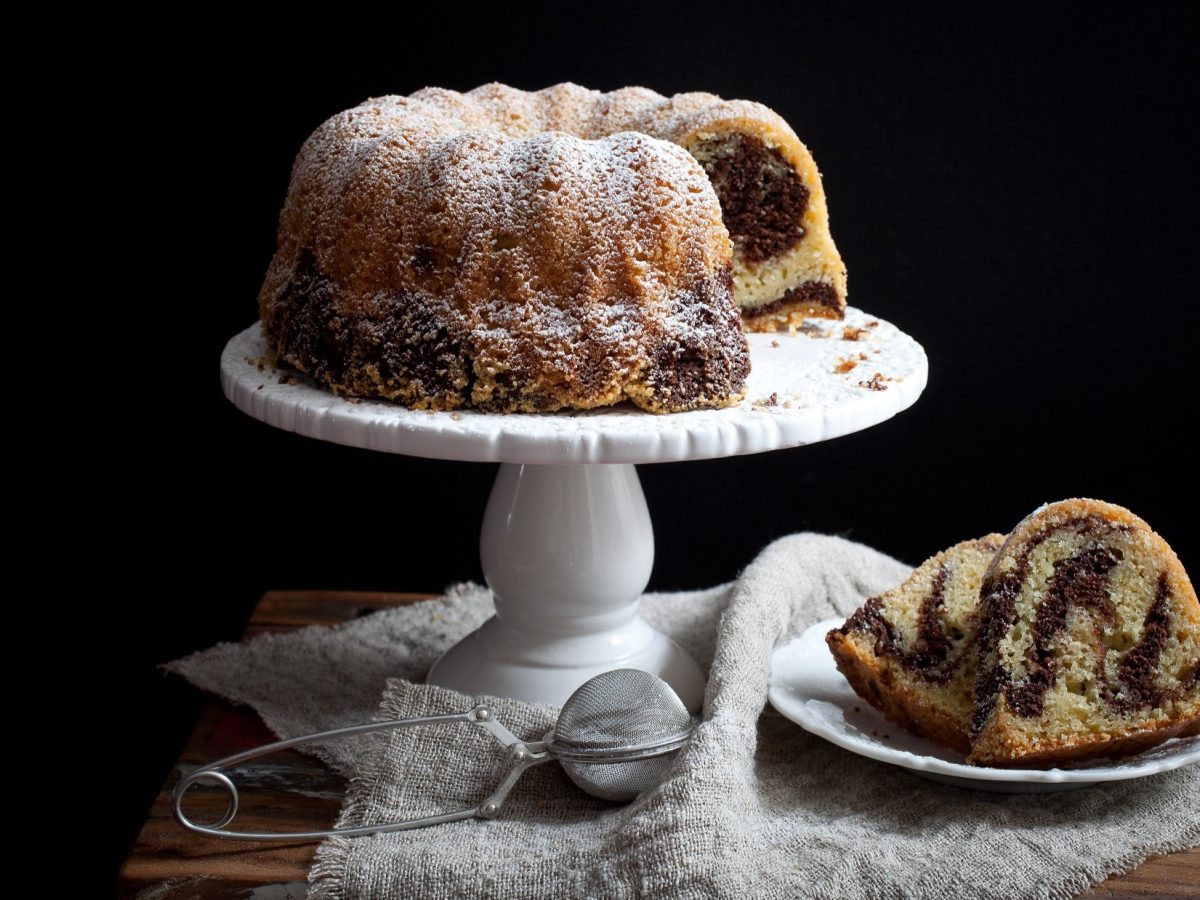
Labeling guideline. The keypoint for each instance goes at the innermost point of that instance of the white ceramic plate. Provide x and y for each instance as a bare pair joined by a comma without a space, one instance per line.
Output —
795,395
807,688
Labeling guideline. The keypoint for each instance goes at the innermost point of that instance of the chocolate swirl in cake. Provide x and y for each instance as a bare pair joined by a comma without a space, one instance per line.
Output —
931,660
811,295
1136,671
1080,580
762,198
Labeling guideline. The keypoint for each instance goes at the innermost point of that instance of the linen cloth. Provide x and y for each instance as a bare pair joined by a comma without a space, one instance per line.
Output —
752,807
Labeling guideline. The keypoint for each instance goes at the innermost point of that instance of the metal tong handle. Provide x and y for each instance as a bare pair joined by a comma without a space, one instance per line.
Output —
523,754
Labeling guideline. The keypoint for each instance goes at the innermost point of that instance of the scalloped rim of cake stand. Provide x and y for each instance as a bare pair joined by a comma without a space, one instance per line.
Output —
813,401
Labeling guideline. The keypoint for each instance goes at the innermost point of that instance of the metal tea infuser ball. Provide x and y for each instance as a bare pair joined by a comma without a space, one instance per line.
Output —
614,737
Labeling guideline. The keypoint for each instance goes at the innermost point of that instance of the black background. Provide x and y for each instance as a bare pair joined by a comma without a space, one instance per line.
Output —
1017,190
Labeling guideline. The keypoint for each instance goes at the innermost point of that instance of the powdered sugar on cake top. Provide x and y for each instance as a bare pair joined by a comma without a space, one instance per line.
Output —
528,244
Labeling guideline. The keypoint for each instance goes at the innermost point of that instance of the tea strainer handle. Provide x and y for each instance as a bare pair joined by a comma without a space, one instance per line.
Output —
522,754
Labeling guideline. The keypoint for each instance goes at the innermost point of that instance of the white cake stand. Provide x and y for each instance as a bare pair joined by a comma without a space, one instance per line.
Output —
567,545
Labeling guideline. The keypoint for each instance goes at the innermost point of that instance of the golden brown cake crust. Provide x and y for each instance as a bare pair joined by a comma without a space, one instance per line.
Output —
1090,640
999,753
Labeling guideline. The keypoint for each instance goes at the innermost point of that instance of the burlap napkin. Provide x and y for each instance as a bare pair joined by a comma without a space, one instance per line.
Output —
753,807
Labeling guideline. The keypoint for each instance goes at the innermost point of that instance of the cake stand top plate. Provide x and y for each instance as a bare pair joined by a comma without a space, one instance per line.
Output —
797,394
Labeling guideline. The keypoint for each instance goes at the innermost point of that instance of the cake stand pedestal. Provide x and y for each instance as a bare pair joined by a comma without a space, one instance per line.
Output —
567,545
567,551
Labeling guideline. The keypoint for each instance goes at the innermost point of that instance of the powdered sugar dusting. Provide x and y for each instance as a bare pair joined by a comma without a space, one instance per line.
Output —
548,237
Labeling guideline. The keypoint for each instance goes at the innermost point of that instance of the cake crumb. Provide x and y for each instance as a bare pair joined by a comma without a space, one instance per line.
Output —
845,364
814,331
787,404
874,323
875,351
875,383
863,357
762,404
774,343
851,333
457,417
261,386
287,378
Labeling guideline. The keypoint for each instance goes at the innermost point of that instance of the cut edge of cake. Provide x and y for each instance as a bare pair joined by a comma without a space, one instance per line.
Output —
798,276
1023,646
911,666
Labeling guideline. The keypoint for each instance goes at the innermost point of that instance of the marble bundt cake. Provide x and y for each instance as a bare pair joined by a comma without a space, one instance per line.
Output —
565,248
1089,640
912,652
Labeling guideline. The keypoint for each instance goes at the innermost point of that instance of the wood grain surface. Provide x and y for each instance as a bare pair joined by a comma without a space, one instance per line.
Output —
289,791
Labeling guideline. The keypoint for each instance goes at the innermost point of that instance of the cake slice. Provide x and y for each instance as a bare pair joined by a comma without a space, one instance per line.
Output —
911,653
1089,640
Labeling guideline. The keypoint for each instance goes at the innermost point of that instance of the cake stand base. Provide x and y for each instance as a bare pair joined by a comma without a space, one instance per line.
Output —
494,660
567,551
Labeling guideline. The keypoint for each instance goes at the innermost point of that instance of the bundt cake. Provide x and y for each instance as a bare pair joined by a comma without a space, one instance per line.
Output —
1089,640
912,653
565,248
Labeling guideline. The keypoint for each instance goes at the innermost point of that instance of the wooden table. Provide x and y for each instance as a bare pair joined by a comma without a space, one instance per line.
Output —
169,863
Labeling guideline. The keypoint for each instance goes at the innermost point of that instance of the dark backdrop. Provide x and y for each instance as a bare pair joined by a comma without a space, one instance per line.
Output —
1016,190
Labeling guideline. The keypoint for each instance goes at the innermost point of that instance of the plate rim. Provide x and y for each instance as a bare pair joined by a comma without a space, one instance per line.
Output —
610,435
1122,771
